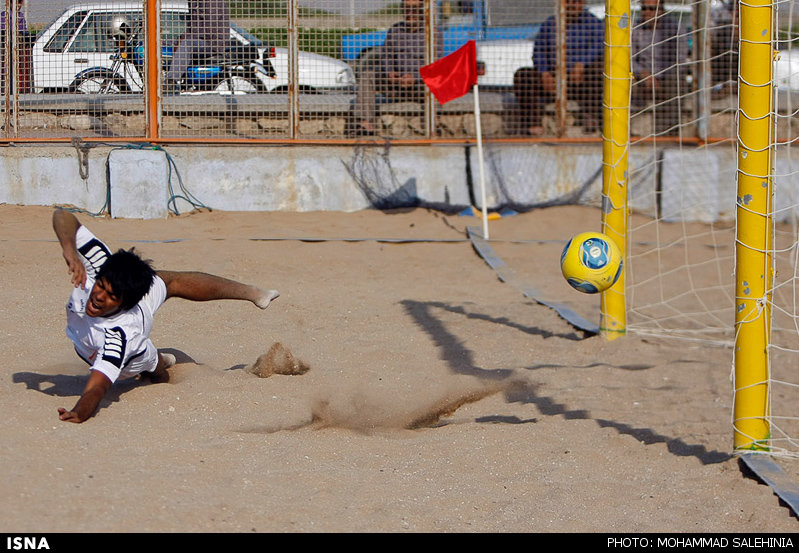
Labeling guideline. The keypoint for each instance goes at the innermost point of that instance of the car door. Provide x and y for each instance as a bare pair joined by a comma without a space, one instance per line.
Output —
79,41
49,70
91,47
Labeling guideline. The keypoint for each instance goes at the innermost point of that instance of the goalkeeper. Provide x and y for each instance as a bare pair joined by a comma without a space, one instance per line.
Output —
110,312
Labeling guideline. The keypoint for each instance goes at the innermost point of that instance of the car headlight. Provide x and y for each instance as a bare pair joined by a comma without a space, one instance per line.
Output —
345,77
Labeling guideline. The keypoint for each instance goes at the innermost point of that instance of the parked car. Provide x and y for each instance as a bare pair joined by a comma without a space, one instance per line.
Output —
317,73
501,59
78,41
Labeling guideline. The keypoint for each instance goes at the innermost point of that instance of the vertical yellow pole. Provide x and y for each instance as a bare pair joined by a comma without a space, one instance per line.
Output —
615,141
753,266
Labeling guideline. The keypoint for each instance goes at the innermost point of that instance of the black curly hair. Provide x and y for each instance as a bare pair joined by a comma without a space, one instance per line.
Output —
129,276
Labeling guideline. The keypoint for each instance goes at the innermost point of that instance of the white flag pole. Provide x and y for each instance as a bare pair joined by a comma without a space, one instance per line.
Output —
479,132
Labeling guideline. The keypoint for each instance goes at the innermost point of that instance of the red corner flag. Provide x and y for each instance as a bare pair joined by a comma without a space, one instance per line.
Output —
454,75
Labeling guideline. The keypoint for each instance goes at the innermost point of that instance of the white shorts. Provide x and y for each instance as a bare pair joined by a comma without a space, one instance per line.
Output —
148,361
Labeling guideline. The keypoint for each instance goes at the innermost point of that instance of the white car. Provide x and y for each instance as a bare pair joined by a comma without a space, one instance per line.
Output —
501,59
316,72
78,41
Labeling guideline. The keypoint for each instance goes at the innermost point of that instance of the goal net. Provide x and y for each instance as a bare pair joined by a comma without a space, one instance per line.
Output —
711,237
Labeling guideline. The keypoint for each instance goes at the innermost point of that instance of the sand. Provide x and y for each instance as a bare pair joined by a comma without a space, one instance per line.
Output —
401,387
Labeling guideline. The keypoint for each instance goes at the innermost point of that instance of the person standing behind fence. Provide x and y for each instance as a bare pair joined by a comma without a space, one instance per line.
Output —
393,71
23,46
22,26
724,49
534,87
659,48
207,33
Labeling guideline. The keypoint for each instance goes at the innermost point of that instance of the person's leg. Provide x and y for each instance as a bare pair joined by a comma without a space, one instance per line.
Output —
197,286
364,109
667,113
530,98
415,93
589,95
150,364
182,58
161,373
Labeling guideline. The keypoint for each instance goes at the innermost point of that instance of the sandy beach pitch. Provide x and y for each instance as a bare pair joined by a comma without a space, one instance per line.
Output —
410,391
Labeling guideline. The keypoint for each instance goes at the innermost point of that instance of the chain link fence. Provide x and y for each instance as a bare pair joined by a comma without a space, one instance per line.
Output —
348,70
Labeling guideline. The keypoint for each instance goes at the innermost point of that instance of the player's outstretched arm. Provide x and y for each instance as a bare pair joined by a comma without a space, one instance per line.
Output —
94,392
66,226
196,286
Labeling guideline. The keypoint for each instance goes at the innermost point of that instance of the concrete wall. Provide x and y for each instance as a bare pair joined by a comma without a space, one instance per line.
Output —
679,184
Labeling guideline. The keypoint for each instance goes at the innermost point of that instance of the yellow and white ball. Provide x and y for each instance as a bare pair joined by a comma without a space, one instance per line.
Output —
591,262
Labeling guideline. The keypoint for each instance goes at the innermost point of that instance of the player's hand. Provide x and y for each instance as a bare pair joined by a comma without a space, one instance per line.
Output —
76,269
68,416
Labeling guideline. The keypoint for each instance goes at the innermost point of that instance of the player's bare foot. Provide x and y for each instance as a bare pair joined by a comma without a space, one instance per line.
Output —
161,373
265,298
278,360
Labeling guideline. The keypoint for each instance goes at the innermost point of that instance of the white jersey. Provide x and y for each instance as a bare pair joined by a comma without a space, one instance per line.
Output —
118,346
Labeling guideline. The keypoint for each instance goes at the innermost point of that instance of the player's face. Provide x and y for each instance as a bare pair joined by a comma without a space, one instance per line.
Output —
102,300
649,9
414,12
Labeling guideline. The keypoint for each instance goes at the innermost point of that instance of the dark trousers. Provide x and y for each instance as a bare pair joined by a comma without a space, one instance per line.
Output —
531,97
374,87
663,100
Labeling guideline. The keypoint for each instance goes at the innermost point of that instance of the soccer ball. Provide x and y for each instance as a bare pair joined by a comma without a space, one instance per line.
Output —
591,262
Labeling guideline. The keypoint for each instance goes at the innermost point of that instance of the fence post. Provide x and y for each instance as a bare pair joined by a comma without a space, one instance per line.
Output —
293,44
702,64
152,95
561,76
429,115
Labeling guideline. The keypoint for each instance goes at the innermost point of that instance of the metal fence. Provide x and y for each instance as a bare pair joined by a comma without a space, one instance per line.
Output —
348,70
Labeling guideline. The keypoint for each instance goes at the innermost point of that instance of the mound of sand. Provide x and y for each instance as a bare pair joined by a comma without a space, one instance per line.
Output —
278,360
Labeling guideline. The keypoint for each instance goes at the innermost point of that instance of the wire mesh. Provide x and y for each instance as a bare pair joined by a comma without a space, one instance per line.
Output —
346,70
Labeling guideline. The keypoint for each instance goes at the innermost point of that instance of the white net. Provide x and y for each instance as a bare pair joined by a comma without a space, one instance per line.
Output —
683,229
681,193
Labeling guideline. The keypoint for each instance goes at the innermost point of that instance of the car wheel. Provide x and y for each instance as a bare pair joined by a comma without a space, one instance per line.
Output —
98,83
238,84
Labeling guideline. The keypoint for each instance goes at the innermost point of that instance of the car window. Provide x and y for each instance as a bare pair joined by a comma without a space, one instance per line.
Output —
249,38
59,40
93,36
173,25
